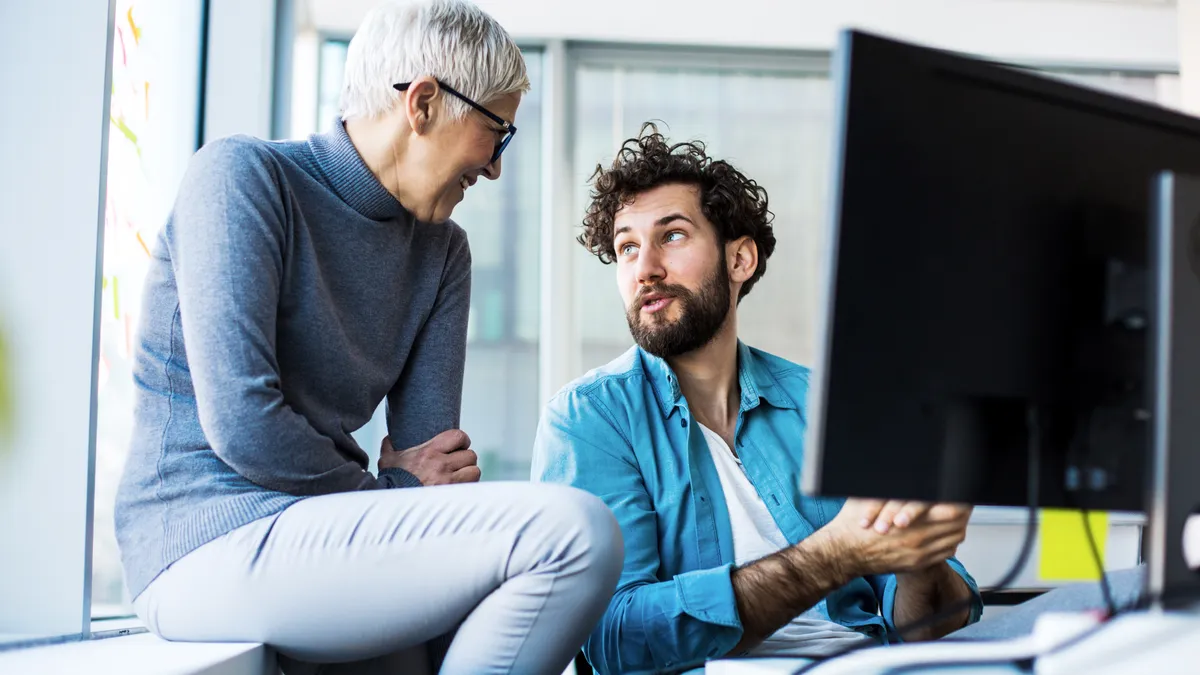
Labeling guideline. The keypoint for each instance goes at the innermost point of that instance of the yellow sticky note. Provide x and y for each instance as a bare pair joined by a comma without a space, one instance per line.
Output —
1066,554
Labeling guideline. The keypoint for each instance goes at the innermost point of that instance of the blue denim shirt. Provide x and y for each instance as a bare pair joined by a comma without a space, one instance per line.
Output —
624,433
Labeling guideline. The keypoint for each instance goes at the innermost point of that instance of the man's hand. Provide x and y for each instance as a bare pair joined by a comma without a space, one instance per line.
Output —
444,459
896,537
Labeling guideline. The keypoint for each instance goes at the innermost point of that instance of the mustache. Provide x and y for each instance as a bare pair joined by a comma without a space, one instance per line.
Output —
668,290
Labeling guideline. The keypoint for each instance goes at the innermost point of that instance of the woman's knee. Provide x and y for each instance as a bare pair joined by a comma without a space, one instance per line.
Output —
585,524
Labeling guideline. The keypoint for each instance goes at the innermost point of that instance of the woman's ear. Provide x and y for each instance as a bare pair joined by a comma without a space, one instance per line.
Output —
419,102
742,259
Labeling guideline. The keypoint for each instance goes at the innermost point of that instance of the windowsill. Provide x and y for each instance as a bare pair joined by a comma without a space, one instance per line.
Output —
142,654
103,629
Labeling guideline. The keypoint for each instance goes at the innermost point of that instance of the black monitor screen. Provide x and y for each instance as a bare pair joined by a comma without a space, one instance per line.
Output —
987,283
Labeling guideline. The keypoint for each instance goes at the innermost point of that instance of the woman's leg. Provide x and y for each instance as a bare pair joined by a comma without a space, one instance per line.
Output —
526,569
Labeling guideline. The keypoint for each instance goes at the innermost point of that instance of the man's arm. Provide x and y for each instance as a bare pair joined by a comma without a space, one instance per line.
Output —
650,624
776,589
928,592
914,596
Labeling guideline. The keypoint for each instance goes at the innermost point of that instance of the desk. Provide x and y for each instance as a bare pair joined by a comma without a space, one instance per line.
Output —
789,666
1160,643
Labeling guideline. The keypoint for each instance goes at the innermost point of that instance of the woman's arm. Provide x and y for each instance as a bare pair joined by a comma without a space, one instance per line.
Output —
427,399
226,239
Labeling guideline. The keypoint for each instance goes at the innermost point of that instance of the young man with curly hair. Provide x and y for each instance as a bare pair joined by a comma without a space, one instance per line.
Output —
695,441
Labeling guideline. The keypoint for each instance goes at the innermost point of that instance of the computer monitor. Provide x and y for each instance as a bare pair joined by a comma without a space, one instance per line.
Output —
987,283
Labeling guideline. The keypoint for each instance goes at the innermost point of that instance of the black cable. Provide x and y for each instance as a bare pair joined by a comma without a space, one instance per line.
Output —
1109,605
1034,448
1026,664
1105,588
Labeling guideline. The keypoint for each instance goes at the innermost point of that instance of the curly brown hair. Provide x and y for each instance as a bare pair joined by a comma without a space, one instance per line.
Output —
733,203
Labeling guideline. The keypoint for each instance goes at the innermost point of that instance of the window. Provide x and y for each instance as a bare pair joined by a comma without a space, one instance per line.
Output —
152,134
332,64
773,125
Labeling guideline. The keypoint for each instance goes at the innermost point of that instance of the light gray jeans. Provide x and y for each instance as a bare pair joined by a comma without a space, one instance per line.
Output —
517,573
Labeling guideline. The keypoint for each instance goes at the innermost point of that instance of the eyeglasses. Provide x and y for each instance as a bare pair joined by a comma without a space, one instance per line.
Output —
507,127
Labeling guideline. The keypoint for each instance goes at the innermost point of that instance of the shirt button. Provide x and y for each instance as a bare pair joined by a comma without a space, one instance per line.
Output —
683,422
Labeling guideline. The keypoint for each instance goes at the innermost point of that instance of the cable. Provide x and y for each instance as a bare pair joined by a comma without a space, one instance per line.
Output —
1027,664
1105,587
1034,443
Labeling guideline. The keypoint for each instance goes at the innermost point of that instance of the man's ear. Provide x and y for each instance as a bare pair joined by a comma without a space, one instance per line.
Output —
742,259
419,102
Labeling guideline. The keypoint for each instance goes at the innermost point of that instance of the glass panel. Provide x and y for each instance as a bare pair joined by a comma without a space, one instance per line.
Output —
152,135
503,219
774,128
329,89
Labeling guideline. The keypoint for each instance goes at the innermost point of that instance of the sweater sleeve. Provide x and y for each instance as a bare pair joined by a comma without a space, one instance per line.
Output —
427,399
226,240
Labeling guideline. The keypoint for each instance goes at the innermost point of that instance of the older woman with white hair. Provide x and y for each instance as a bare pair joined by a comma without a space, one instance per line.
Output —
295,286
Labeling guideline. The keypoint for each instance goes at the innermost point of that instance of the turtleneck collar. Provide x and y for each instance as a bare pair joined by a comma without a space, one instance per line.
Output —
350,177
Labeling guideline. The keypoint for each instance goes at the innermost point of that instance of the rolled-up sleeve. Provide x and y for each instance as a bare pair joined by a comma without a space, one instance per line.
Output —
650,624
885,588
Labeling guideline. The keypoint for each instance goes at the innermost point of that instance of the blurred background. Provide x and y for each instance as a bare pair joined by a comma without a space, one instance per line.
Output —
751,79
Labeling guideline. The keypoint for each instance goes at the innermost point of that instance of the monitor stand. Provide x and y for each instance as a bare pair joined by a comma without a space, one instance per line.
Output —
1173,492
1165,633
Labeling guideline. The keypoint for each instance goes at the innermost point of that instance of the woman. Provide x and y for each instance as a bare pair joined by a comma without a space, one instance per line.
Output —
294,287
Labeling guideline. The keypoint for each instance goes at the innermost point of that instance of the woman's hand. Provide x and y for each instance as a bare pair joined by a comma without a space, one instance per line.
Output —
444,459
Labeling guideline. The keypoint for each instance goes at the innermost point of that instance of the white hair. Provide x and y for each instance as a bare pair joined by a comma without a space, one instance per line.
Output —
451,40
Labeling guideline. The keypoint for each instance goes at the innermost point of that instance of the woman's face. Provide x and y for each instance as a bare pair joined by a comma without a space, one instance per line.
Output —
455,153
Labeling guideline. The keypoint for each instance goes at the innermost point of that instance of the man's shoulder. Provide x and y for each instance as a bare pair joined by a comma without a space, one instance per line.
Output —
777,366
592,411
784,382
619,378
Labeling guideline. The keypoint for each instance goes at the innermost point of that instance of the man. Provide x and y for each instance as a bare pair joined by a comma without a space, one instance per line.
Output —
694,440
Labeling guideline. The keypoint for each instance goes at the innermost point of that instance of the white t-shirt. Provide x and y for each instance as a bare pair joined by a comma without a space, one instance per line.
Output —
756,535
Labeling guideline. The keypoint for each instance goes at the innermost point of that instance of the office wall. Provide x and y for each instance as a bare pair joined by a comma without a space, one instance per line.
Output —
1095,32
1189,55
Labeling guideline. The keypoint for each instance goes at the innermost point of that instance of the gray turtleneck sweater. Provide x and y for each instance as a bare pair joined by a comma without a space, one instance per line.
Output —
289,293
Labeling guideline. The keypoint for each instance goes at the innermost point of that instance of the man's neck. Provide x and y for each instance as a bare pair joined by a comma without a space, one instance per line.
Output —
708,378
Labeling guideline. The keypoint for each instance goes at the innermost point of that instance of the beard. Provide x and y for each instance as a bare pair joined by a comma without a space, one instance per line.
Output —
701,315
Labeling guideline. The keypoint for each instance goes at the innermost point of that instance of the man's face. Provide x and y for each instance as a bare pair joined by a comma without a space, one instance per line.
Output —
671,271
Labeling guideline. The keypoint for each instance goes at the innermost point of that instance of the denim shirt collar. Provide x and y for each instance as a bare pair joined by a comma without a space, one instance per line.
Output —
754,379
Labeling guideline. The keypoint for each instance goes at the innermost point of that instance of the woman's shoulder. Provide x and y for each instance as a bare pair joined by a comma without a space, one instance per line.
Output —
247,159
235,148
459,244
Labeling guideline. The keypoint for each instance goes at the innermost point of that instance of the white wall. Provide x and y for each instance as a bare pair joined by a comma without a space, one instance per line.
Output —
1189,55
1050,32
55,82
